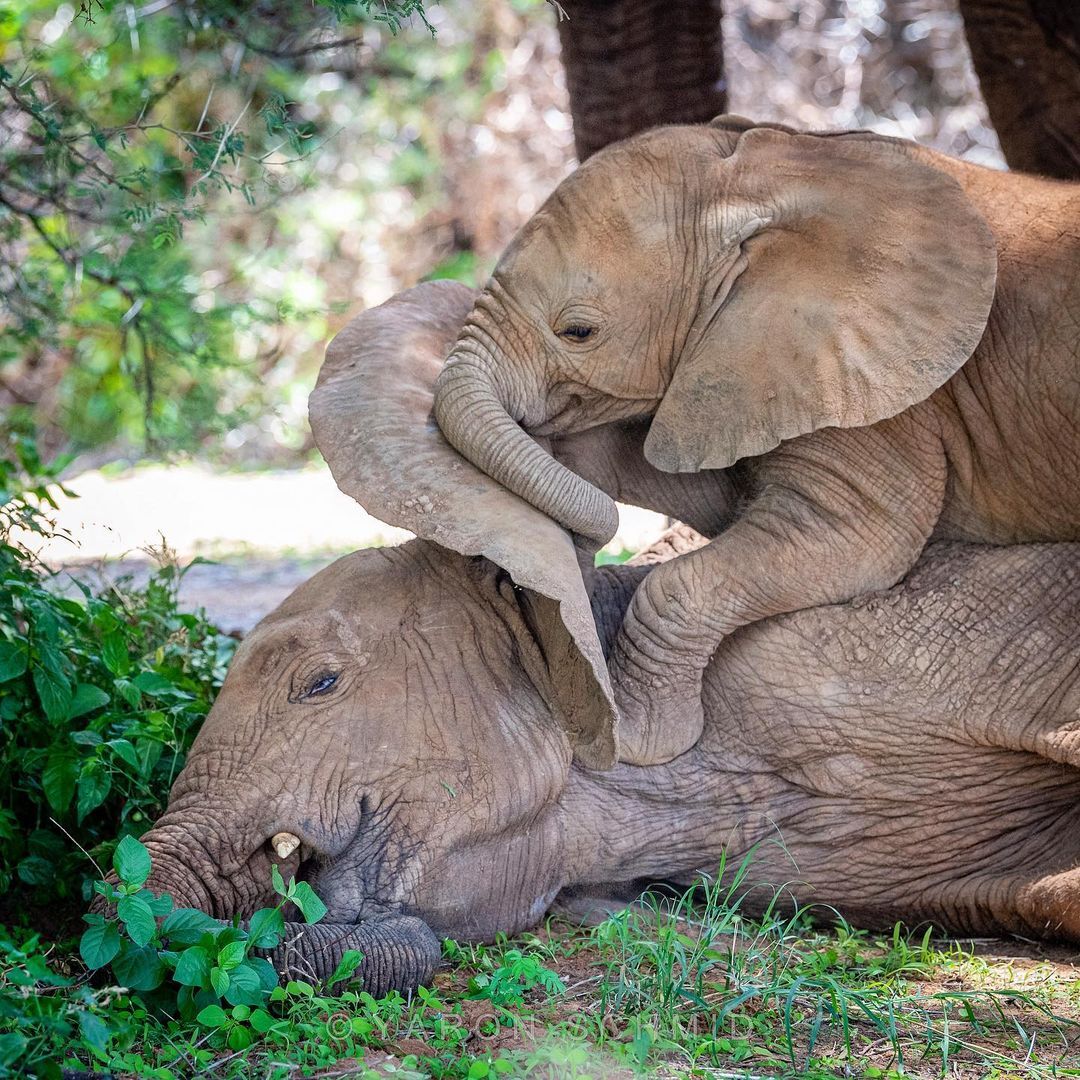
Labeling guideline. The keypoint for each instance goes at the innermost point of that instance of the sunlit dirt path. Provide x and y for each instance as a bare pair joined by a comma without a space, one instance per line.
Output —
267,531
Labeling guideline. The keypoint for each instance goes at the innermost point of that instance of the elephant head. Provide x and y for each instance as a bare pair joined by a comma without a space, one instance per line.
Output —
336,748
736,284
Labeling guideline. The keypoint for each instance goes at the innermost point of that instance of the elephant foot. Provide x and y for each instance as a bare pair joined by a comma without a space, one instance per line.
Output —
660,717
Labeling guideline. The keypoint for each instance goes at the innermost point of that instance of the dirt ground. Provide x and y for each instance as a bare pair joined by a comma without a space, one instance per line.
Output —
266,532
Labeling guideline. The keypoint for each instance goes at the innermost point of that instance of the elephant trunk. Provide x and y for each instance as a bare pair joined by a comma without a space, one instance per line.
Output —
399,952
476,421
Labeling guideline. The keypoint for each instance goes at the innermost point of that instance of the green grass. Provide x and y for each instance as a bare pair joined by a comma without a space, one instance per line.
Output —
667,987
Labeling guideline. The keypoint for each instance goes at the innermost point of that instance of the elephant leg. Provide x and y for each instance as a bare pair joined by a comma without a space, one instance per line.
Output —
835,514
1027,56
634,64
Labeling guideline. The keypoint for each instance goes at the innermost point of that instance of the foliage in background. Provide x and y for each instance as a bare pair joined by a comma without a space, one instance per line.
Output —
132,140
100,698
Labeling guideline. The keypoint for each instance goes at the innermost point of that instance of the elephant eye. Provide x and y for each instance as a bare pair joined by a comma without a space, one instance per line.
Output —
576,332
322,684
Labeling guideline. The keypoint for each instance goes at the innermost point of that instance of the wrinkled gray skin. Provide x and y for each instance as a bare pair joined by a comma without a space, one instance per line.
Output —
424,720
918,753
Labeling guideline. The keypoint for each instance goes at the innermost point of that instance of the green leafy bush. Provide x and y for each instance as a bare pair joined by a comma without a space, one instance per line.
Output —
100,698
41,1009
128,126
177,960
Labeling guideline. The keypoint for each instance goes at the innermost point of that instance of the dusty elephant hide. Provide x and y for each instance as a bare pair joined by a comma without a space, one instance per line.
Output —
879,344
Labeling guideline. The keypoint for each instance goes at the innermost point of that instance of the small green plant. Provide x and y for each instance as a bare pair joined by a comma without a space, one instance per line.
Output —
40,1008
220,977
517,974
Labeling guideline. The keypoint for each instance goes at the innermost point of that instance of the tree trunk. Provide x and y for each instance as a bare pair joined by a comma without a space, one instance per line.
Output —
634,64
1027,56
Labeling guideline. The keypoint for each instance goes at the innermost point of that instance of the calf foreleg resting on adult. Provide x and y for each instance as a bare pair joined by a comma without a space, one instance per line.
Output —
830,517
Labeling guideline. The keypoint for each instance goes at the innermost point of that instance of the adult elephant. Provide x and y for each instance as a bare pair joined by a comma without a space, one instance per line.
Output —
426,733
634,64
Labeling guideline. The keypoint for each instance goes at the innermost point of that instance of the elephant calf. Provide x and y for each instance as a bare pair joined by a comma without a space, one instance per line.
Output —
883,341
426,732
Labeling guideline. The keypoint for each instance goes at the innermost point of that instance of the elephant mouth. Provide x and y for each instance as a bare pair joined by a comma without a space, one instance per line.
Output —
347,872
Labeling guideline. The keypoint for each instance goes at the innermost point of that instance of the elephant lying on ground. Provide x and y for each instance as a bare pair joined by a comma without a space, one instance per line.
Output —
425,735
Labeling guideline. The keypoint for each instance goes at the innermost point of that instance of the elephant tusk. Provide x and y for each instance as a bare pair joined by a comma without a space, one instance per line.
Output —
284,843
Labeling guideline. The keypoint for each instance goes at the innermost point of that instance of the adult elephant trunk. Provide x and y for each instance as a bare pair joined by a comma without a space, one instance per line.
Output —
476,421
1026,54
399,952
634,64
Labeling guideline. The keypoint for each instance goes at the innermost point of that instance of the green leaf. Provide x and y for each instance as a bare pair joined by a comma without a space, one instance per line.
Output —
266,928
138,919
58,778
213,1016
185,926
239,1038
53,691
154,685
13,660
131,861
193,968
86,699
86,738
93,788
114,652
261,1021
94,1031
347,965
231,955
244,986
128,692
99,945
276,881
138,967
219,980
12,1046
161,905
125,751
36,870
268,977
311,907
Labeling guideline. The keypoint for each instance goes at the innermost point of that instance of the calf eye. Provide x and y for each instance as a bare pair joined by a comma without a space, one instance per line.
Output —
576,332
321,685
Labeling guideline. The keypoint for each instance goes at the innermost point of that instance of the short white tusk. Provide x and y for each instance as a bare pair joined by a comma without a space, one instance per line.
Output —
284,843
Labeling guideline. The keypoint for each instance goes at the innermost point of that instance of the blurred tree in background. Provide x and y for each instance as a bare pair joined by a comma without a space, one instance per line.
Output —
154,157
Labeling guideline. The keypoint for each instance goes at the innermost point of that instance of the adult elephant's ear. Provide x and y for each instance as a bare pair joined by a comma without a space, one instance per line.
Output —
851,281
371,414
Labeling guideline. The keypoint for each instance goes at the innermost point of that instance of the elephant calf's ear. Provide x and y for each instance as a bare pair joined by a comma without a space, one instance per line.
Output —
868,285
